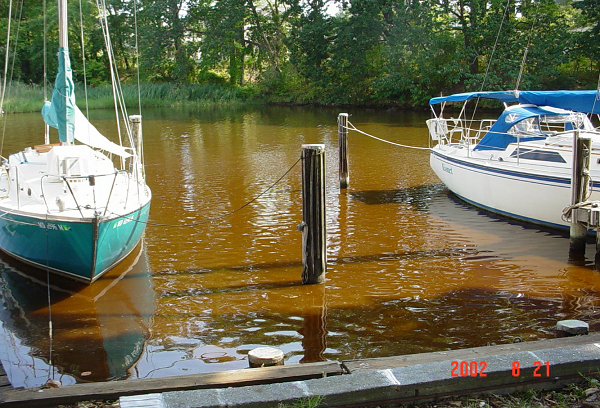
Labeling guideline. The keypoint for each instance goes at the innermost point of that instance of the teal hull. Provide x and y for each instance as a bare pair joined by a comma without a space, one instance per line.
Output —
82,250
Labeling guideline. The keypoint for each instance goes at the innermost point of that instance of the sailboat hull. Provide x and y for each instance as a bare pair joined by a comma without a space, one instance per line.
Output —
83,249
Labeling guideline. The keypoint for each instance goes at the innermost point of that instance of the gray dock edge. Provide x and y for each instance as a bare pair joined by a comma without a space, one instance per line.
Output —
403,379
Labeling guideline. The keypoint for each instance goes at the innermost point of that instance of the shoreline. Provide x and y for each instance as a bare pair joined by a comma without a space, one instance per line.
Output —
543,364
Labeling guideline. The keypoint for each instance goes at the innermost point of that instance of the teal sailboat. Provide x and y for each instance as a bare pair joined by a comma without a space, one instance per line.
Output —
76,209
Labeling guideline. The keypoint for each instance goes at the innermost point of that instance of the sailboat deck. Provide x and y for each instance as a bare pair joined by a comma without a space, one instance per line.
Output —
80,196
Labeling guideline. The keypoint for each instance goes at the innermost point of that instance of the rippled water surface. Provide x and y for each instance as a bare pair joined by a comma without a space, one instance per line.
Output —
411,268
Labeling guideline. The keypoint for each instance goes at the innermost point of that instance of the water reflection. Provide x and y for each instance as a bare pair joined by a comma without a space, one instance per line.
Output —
98,331
411,268
418,196
314,325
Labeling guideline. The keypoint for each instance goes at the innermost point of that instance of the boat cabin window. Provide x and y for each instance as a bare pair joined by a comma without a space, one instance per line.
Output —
549,125
529,125
539,155
70,166
69,161
567,123
526,127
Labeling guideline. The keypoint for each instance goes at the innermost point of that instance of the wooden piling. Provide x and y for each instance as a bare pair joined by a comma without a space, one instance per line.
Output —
579,192
314,256
597,256
343,149
136,129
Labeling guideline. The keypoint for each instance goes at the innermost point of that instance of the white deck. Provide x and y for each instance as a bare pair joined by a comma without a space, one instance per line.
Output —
68,183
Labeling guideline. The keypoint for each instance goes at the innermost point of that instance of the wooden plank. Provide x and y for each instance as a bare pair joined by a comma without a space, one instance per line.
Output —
384,363
45,147
115,389
4,383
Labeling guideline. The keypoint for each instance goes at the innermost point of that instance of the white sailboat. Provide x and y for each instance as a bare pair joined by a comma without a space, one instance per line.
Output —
520,164
68,207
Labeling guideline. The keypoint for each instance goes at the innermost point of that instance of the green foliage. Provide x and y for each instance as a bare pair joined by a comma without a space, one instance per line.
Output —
285,85
375,52
29,98
588,38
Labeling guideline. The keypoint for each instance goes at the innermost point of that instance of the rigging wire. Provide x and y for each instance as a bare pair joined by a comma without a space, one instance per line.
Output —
2,94
87,110
12,67
487,70
118,98
597,94
45,78
45,74
525,56
12,70
6,58
489,65
137,64
137,58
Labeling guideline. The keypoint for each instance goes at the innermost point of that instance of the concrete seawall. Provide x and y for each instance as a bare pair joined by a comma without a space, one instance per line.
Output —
544,364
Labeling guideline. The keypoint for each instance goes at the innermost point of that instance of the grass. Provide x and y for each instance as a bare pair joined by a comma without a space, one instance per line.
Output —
309,402
28,98
21,97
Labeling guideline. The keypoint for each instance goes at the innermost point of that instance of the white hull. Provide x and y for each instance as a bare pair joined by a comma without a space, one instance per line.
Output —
520,165
528,190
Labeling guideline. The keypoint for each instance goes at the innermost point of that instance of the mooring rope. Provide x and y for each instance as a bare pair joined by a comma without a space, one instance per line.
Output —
567,211
194,224
352,127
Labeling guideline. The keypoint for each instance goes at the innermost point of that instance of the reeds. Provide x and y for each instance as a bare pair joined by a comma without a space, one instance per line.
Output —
29,98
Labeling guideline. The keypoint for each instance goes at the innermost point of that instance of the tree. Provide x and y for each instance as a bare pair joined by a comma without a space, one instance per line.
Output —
423,56
167,40
588,33
357,52
311,39
223,35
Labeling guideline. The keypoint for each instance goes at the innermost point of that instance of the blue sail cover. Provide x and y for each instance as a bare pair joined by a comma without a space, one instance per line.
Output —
498,138
502,96
531,104
60,112
580,101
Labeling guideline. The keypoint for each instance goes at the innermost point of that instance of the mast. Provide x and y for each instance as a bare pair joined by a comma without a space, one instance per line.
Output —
62,109
63,39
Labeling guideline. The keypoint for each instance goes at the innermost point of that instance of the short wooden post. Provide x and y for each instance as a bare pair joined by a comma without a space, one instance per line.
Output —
314,255
579,193
343,149
136,130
